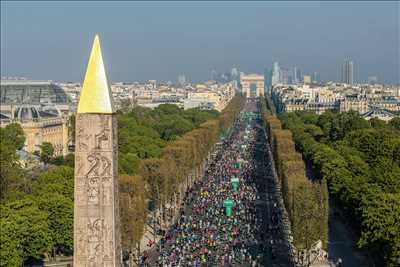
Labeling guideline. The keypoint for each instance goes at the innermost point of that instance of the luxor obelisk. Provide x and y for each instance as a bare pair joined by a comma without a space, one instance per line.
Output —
96,209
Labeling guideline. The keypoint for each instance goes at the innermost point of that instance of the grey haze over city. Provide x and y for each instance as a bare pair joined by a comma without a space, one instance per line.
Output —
161,40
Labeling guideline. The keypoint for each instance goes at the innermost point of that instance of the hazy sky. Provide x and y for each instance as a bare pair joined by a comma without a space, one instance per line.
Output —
159,40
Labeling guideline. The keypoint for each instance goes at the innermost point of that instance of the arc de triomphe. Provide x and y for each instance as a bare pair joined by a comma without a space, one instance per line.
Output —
246,80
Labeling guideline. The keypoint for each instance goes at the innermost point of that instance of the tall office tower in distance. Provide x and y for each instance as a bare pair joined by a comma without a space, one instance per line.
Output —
284,76
225,77
267,78
290,76
214,75
315,77
182,79
295,78
347,72
235,74
299,75
276,73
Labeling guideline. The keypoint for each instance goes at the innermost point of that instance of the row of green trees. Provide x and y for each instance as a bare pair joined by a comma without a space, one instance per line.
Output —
306,202
143,133
160,154
360,160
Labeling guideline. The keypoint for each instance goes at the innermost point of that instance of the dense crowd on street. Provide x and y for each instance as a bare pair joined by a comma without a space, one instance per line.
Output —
205,234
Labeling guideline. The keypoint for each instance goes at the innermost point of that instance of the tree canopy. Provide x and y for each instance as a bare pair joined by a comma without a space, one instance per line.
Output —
46,152
143,132
157,149
360,160
11,139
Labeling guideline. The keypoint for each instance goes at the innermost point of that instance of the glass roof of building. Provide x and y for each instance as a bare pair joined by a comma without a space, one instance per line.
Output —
32,93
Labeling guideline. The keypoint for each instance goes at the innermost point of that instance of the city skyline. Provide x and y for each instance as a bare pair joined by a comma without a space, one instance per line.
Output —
204,133
163,40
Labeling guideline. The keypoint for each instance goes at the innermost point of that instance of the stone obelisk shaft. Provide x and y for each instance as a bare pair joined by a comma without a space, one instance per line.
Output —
96,208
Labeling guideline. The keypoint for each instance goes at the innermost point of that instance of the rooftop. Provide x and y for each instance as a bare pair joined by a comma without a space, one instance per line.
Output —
378,113
25,82
31,92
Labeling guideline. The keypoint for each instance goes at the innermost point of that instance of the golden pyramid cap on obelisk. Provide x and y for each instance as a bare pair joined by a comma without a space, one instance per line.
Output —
96,96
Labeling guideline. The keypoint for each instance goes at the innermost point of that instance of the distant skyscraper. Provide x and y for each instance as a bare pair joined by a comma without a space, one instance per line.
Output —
214,75
276,73
225,77
347,72
267,78
299,75
291,76
284,76
182,79
235,74
315,77
295,77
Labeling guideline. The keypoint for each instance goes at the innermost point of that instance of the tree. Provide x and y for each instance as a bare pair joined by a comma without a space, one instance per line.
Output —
377,123
172,126
57,179
198,116
325,121
386,174
60,215
133,210
178,155
14,134
11,174
151,171
10,253
306,203
128,163
308,117
395,123
26,227
168,109
314,131
360,161
68,160
46,152
54,193
344,123
380,225
374,143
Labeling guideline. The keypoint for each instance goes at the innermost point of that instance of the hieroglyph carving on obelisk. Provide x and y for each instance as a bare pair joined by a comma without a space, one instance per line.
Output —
96,209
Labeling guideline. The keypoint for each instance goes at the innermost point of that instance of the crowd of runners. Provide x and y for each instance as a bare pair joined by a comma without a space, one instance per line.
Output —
207,233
